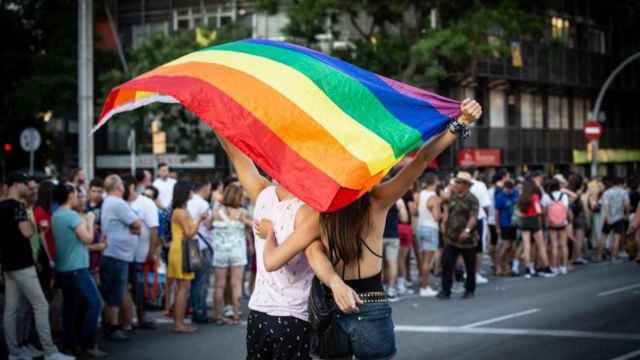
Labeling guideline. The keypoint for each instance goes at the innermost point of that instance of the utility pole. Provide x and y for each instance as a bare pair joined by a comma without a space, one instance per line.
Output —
85,87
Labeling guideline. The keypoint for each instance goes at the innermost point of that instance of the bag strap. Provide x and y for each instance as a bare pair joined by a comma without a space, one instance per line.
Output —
204,240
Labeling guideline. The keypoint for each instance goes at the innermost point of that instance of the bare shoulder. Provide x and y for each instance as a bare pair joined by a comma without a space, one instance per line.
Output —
305,213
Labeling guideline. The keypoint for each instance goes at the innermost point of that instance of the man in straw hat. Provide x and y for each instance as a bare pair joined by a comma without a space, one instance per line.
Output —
460,236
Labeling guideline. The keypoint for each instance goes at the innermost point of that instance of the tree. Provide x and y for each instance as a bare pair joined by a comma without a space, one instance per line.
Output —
185,132
395,38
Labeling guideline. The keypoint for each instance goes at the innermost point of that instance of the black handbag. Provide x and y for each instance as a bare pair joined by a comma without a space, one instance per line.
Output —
192,260
326,336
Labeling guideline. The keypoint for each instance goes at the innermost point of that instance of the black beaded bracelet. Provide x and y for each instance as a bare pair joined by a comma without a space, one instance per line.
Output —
459,128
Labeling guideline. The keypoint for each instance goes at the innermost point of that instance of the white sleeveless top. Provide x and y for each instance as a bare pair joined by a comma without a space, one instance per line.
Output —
425,217
284,292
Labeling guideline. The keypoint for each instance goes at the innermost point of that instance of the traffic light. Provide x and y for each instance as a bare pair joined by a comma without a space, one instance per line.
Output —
8,148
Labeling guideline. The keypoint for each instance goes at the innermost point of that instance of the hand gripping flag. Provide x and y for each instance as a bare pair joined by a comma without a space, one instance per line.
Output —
325,129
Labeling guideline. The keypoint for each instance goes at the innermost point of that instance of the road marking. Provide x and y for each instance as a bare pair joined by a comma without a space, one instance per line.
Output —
501,318
521,332
615,291
628,356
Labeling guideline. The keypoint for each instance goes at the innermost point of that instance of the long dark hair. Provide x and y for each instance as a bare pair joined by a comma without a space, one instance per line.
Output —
181,192
344,230
529,188
45,196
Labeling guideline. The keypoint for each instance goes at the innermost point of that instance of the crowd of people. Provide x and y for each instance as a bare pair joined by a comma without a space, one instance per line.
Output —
107,250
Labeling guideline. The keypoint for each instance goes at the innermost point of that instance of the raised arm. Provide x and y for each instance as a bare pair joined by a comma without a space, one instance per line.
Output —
386,194
248,174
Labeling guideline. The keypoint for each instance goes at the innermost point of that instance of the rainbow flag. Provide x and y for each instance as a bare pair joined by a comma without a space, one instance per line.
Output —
325,129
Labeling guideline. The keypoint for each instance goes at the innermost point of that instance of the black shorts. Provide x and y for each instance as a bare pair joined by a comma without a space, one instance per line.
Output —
530,223
493,233
508,233
617,227
277,337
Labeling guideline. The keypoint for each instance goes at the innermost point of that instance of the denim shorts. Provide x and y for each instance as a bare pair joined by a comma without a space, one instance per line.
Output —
114,277
428,237
369,332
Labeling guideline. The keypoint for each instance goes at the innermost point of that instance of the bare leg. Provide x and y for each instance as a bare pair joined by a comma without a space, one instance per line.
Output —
169,296
402,261
236,290
427,257
578,244
181,306
526,248
553,240
542,251
615,247
218,293
564,248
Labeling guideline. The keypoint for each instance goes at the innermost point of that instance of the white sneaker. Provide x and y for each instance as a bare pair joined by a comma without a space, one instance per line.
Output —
31,352
392,294
402,290
563,270
228,311
428,292
481,279
59,356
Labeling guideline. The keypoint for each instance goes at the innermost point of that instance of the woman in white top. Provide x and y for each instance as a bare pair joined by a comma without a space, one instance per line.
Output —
553,201
429,214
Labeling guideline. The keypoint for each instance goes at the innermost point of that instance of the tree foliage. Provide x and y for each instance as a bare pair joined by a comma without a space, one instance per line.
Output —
185,133
396,37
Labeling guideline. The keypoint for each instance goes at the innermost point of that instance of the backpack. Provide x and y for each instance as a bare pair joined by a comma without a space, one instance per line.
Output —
557,213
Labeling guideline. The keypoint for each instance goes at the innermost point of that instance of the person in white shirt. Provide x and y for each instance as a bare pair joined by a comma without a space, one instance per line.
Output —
556,208
148,242
479,190
165,185
429,215
198,206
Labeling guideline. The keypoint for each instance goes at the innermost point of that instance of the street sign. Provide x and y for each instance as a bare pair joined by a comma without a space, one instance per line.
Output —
592,130
30,139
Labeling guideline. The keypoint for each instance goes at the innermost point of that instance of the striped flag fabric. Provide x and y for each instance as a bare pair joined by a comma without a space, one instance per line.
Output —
325,129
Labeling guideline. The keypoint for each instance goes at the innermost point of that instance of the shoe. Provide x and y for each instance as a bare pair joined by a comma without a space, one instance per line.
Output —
428,292
443,296
402,290
528,273
95,353
481,279
563,270
31,352
59,356
118,336
457,288
548,273
515,273
392,294
228,311
467,295
147,325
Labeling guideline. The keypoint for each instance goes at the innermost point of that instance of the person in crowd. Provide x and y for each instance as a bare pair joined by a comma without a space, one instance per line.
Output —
22,286
94,206
143,180
615,206
633,231
197,207
73,235
391,241
633,188
505,202
480,191
530,211
77,178
429,216
595,189
461,236
4,189
164,183
405,234
42,213
148,242
580,218
557,215
501,176
352,238
229,243
182,229
122,228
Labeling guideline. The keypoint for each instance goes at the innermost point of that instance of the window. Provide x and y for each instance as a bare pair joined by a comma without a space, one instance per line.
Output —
564,113
512,111
210,16
596,41
526,101
141,33
561,30
538,111
579,113
497,108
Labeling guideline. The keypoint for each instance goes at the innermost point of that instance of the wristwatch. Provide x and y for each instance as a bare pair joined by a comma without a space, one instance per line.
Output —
467,230
459,128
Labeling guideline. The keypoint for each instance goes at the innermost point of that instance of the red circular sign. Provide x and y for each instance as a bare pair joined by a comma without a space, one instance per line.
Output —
592,130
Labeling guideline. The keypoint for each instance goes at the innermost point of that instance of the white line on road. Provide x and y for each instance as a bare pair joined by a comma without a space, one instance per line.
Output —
615,291
501,318
628,356
522,332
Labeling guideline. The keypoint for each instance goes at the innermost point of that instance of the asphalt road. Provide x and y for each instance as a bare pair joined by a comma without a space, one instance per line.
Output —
592,313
